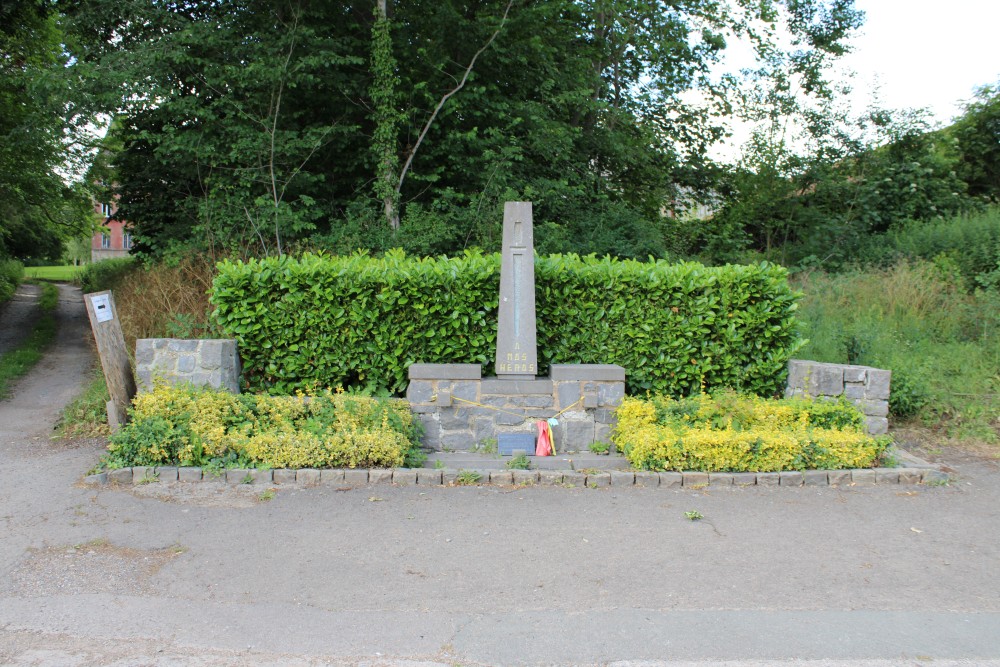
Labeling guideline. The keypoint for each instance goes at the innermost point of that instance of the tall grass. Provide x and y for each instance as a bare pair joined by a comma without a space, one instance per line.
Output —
11,273
918,319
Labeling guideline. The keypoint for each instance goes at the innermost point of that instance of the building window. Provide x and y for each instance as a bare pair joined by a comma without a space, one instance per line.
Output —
126,240
106,210
105,241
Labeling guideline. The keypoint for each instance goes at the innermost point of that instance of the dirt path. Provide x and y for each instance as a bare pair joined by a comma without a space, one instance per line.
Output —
18,315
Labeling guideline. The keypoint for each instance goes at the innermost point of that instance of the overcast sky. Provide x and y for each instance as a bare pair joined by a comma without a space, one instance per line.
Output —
928,53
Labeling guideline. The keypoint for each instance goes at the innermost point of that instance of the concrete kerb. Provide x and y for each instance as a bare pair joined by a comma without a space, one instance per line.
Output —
617,479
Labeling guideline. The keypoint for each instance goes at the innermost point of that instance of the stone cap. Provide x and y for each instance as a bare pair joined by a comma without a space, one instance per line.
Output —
592,372
445,371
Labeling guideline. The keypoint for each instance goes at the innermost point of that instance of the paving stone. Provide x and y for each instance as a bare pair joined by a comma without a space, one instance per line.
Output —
886,475
646,478
166,473
120,476
284,476
599,479
308,477
426,477
354,476
189,474
143,475
261,475
380,476
99,478
839,477
863,477
500,477
932,476
622,478
910,475
768,478
237,475
815,478
573,478
449,476
790,478
550,477
670,479
404,476
525,477
720,479
744,478
696,479
332,476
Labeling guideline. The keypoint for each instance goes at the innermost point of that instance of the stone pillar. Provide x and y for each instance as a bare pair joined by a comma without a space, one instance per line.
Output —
866,387
212,363
517,351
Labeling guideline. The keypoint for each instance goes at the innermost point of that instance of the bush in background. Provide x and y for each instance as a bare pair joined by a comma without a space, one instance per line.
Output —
185,426
11,273
361,322
732,433
106,274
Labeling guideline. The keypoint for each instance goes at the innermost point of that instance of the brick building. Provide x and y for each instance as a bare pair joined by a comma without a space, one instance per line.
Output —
114,239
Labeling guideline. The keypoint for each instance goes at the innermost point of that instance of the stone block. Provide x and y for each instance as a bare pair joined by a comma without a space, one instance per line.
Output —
599,479
863,477
605,416
622,478
854,391
534,401
839,477
284,476
308,477
501,477
877,425
573,478
166,473
744,478
568,393
670,479
182,345
510,418
602,433
380,476
590,372
855,374
693,479
910,475
886,475
145,352
238,476
262,475
574,435
525,477
426,477
431,422
331,476
419,391
456,441
445,371
468,391
646,478
878,384
144,475
550,477
932,476
875,408
790,478
515,387
98,478
120,476
768,478
720,479
815,478
610,394
454,419
404,477
355,476
185,364
826,380
590,400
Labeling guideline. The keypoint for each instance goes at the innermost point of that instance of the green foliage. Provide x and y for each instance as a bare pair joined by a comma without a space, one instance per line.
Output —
185,426
519,462
86,416
361,322
918,319
735,433
468,478
17,362
977,133
107,274
11,273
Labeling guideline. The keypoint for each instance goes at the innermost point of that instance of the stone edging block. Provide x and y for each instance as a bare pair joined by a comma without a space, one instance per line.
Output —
571,478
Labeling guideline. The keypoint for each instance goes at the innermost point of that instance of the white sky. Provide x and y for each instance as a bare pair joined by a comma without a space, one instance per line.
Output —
927,53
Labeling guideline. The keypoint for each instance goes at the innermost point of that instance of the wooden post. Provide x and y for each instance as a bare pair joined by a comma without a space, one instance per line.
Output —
114,355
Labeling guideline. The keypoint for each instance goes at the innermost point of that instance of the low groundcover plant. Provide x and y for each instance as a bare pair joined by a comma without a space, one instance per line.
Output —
180,425
727,432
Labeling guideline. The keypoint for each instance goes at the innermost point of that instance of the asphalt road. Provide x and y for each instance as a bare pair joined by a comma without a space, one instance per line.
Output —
213,575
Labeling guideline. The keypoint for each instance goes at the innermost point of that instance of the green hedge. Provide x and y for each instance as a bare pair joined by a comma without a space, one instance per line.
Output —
106,274
11,274
361,321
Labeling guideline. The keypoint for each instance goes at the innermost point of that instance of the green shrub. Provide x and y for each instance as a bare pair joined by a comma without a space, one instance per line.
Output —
734,433
106,274
11,273
185,426
360,322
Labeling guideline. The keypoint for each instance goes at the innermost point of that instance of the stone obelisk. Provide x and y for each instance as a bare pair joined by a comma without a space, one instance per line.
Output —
517,350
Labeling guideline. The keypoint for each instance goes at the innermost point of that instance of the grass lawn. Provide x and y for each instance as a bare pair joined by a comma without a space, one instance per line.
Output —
57,273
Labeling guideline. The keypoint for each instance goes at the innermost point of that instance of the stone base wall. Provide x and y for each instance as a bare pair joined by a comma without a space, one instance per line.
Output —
214,363
460,409
866,387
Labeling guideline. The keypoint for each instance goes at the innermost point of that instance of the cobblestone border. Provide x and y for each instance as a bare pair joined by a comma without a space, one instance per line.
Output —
450,477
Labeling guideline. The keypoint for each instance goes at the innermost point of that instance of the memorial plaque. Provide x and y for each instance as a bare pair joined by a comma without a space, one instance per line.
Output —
517,351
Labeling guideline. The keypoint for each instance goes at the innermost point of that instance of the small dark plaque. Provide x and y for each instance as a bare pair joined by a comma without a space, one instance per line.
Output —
507,443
